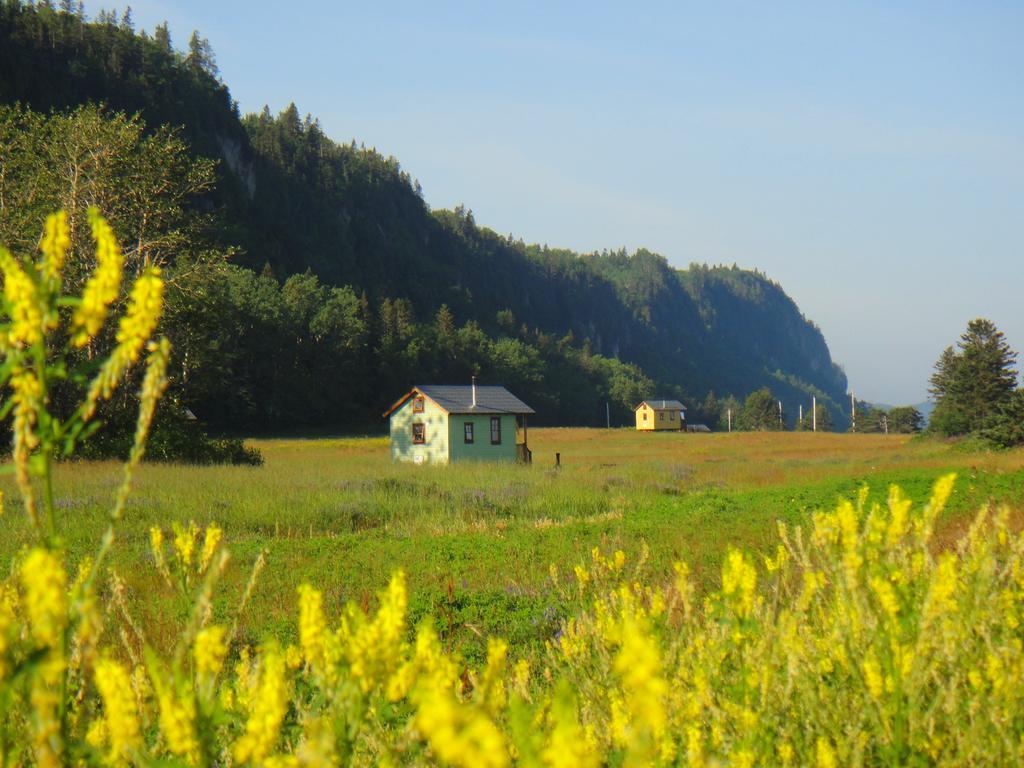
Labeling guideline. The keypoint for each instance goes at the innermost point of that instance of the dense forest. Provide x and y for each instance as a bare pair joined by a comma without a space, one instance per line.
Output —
310,283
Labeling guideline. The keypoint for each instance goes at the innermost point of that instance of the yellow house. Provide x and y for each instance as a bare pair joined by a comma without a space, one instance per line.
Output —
653,415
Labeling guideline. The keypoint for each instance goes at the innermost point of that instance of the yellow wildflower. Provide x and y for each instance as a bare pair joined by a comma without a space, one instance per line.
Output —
491,691
121,717
739,578
269,706
134,330
940,495
567,746
185,542
209,650
459,734
638,665
374,649
886,596
312,628
873,676
899,509
45,588
177,724
54,245
23,304
102,287
826,754
521,678
210,541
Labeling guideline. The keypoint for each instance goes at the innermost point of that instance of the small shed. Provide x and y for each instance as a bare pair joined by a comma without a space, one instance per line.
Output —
656,415
441,423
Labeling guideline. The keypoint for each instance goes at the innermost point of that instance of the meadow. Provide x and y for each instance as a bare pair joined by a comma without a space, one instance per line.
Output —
477,541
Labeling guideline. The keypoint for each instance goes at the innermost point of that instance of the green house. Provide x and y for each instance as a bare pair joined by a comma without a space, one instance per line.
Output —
438,424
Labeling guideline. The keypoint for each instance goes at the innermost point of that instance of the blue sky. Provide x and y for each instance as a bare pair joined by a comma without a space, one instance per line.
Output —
868,156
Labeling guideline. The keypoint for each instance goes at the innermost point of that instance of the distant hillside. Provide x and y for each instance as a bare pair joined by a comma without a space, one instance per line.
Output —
290,200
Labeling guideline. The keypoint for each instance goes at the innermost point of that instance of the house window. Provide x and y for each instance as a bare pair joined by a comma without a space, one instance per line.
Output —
645,415
495,430
419,433
661,415
417,404
671,415
468,432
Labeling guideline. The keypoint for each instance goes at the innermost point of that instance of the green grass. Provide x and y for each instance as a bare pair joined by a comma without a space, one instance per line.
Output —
476,540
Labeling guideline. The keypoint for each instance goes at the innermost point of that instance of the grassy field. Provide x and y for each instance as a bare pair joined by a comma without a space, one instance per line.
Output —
477,540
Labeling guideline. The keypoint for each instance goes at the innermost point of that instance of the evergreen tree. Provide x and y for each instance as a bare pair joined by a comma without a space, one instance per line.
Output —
760,412
970,385
162,37
905,420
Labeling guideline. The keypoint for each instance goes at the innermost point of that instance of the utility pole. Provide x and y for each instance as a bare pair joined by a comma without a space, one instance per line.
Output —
814,413
782,424
608,414
885,423
800,418
729,414
853,411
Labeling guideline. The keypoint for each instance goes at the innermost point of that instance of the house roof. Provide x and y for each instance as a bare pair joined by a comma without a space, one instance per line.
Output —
457,398
663,405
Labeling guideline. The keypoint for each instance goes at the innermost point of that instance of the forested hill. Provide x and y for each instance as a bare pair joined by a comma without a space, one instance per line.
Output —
409,293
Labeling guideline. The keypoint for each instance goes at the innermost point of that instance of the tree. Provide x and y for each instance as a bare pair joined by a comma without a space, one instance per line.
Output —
709,410
760,412
970,384
162,37
200,55
905,419
823,420
729,408
1005,428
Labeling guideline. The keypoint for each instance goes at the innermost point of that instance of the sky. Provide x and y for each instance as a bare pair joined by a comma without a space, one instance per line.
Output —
869,156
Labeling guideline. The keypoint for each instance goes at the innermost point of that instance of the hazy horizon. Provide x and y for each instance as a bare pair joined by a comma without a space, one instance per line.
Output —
867,157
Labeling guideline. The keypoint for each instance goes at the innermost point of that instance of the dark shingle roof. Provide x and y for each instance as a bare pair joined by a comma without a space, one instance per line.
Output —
664,405
459,399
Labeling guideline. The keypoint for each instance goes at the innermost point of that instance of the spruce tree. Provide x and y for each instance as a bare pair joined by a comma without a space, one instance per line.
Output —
971,384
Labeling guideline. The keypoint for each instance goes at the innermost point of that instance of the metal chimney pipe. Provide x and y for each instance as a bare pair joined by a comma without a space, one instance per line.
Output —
474,391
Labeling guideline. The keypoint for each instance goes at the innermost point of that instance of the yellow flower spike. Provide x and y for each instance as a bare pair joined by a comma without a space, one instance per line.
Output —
941,492
491,692
312,628
28,400
54,245
826,755
185,543
739,578
122,720
44,583
211,539
459,734
638,666
177,725
899,510
209,650
567,745
374,649
886,596
102,288
873,676
28,315
140,320
269,706
156,545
